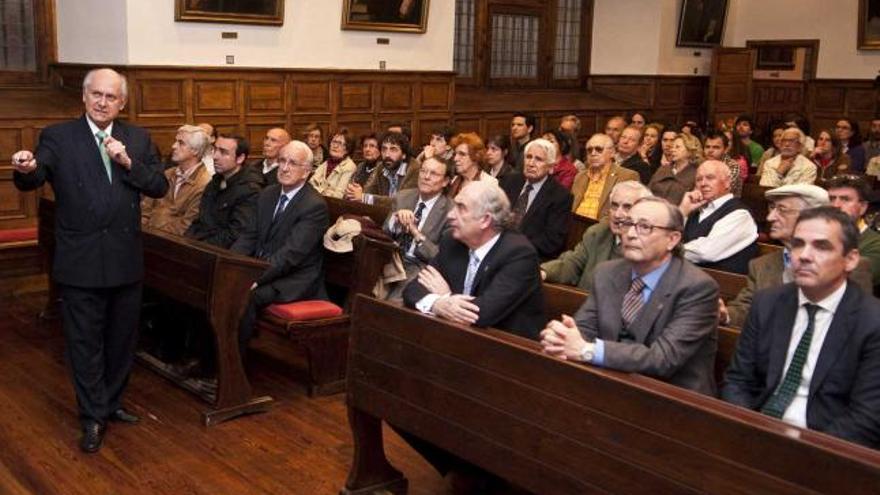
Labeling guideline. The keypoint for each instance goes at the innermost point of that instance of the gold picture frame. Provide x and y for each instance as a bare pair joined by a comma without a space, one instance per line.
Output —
405,16
265,12
869,25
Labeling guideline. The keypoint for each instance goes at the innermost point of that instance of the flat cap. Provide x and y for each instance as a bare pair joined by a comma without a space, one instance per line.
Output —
813,195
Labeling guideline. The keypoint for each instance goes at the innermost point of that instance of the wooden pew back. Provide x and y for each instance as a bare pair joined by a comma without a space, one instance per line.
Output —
555,427
576,229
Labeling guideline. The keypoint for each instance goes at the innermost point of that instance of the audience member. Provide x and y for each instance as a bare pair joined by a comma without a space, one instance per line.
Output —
716,149
418,219
230,199
541,206
314,137
564,170
369,144
872,144
287,231
650,150
267,168
470,152
174,212
522,126
400,128
851,143
672,181
790,166
773,150
332,177
439,145
850,193
571,125
497,147
601,242
396,173
592,186
745,127
798,121
627,155
656,313
614,128
828,157
638,120
809,353
720,232
667,144
483,274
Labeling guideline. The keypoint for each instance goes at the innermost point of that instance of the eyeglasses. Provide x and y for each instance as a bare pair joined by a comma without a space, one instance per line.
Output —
642,228
595,149
337,142
781,209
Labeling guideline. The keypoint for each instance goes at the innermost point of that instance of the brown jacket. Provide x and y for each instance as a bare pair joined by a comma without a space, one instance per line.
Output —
672,187
582,181
174,213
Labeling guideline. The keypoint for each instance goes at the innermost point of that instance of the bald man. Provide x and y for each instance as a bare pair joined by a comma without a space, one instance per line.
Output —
267,168
720,232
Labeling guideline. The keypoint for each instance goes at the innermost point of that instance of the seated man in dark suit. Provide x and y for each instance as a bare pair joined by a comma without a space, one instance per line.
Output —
656,313
483,274
628,153
719,232
541,207
601,242
287,232
809,353
229,200
418,219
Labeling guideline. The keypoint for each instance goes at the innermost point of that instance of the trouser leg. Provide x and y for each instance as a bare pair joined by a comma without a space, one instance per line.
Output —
120,339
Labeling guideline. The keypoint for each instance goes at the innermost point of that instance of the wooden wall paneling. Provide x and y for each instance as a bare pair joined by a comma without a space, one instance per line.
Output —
159,98
467,123
496,124
355,96
426,125
264,97
635,90
10,141
357,125
311,96
212,97
163,137
395,96
435,95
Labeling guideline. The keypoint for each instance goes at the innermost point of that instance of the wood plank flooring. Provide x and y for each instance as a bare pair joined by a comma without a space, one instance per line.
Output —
301,446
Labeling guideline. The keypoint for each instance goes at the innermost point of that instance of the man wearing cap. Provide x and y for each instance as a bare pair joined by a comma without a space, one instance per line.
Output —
774,269
286,231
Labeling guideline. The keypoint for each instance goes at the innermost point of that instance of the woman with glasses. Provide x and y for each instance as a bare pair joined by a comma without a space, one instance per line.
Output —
332,176
469,155
672,181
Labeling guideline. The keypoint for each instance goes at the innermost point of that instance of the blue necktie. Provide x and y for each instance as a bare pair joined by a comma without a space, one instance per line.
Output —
101,135
473,265
280,208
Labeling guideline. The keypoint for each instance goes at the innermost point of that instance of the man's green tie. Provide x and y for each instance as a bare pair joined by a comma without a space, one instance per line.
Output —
780,400
101,135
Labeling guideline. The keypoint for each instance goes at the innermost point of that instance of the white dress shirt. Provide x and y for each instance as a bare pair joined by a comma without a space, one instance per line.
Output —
796,413
731,234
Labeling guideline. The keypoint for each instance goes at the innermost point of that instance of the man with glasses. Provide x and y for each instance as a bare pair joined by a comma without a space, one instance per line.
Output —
601,242
592,187
790,166
287,231
720,232
656,313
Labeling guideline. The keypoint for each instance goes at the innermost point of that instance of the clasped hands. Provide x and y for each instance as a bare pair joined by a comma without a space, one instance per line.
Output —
457,308
562,339
407,220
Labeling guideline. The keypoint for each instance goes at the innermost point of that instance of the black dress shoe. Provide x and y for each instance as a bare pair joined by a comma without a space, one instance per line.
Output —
92,437
123,416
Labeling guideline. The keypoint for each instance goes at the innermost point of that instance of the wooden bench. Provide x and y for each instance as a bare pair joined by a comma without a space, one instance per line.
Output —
20,259
729,284
576,229
325,339
556,427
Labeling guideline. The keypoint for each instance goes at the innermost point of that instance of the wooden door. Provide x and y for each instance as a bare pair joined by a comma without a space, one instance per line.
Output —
730,86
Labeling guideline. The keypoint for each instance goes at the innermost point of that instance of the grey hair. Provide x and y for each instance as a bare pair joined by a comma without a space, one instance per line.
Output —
123,82
196,138
548,147
676,219
492,201
609,143
631,185
299,146
802,138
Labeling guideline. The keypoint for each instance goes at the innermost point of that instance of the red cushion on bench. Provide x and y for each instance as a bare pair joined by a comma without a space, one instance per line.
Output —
304,310
18,235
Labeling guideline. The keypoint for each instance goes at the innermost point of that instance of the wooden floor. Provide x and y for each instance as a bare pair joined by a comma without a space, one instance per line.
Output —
301,446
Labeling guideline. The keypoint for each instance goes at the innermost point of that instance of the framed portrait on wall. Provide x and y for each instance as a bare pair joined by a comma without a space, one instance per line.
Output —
409,16
230,11
701,23
869,24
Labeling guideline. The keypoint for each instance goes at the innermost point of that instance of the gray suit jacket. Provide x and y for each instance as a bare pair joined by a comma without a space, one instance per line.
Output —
675,332
433,227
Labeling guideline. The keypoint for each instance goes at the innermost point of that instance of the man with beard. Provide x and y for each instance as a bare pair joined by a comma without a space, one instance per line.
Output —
522,126
789,166
267,168
397,172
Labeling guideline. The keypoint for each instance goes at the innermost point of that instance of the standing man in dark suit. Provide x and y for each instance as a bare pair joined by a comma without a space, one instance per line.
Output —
654,313
484,274
541,207
809,353
287,232
98,167
418,219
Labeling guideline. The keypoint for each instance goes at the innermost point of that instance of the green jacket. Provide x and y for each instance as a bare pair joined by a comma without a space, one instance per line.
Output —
869,248
575,267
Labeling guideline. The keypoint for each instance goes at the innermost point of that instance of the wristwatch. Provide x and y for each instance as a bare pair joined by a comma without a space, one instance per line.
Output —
588,352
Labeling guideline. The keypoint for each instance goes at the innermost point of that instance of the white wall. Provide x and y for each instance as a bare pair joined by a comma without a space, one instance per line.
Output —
310,38
638,37
92,31
832,22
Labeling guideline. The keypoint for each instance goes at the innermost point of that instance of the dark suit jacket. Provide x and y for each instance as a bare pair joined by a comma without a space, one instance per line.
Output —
507,286
546,221
255,167
845,386
97,224
225,212
636,163
675,332
432,229
292,243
